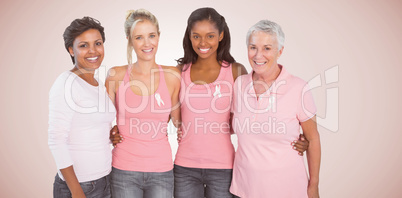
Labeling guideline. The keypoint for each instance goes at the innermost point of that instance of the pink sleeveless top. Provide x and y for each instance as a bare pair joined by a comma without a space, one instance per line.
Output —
143,121
205,112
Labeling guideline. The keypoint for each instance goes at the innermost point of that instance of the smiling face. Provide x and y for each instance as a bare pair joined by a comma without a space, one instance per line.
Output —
263,52
145,39
205,39
88,50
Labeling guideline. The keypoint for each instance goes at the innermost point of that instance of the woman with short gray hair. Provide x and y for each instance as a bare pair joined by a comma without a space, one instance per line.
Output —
269,106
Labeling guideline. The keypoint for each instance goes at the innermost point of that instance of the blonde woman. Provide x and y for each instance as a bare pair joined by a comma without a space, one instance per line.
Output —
146,96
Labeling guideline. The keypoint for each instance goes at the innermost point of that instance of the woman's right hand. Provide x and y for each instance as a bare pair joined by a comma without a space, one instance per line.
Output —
115,136
179,134
300,145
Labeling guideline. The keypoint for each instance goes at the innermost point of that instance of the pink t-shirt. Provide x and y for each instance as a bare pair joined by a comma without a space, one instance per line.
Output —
142,121
205,112
265,163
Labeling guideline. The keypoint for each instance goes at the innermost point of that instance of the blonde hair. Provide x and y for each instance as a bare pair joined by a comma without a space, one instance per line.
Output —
132,18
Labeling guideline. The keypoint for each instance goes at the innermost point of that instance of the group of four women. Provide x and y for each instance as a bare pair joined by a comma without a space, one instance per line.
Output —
208,96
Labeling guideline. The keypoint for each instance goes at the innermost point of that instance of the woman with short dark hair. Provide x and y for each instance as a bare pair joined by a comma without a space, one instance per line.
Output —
80,116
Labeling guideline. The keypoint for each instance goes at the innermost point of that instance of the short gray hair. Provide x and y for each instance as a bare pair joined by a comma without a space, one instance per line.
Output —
270,28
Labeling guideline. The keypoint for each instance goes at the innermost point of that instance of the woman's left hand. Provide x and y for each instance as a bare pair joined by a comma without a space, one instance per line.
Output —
300,145
312,191
115,136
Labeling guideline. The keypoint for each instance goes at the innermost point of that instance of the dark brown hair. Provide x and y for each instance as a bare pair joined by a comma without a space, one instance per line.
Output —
210,14
79,26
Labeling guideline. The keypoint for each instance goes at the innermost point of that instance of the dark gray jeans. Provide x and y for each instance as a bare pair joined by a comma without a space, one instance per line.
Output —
99,188
127,184
200,183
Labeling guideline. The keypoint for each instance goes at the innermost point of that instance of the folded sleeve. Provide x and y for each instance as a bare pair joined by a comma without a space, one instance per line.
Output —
306,107
60,119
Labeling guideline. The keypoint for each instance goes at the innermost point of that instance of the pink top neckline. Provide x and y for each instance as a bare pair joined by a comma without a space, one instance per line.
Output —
190,82
161,79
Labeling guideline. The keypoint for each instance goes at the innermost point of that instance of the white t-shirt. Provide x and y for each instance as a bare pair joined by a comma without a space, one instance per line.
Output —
80,117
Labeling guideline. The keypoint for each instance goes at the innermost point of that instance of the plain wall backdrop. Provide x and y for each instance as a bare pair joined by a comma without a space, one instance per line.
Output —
361,153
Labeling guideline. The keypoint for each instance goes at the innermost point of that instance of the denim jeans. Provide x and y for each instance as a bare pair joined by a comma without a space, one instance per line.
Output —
127,184
200,183
99,188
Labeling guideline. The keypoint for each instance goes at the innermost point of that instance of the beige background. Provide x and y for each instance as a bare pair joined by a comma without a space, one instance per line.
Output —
360,159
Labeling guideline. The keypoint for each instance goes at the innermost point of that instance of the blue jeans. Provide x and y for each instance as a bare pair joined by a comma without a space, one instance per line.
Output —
128,184
200,183
99,188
